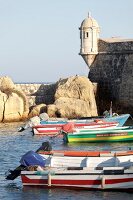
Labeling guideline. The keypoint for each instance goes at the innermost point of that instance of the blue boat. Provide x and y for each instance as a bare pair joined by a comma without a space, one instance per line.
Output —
54,122
121,119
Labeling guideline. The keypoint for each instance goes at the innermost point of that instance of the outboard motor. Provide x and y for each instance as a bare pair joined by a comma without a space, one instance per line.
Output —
21,128
12,174
30,158
29,124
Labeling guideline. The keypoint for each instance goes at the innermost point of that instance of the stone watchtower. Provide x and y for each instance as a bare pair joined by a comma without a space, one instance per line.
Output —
89,36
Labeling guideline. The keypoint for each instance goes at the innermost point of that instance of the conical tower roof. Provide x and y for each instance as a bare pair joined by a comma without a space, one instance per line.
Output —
89,22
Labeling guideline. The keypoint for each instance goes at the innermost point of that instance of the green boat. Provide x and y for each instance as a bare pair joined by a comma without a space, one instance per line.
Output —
117,134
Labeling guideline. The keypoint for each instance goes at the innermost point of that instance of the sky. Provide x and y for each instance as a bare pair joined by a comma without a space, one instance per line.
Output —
40,41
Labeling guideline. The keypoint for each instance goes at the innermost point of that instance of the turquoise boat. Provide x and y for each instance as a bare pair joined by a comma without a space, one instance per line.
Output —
118,134
121,119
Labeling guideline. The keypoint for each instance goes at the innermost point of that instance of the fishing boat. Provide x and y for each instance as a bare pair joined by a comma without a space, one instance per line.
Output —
117,134
46,157
121,119
53,129
106,178
88,170
101,170
37,122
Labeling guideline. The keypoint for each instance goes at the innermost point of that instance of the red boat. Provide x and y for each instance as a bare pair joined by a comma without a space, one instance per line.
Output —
53,129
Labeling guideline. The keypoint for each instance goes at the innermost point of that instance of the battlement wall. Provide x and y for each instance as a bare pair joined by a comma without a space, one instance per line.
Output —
114,45
112,70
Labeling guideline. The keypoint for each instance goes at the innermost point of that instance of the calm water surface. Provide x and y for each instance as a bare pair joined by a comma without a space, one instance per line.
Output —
14,144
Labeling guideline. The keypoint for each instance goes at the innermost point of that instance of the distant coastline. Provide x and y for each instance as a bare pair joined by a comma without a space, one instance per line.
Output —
46,83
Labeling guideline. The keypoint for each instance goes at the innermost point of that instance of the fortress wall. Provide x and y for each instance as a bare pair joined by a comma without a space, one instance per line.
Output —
113,71
38,93
114,45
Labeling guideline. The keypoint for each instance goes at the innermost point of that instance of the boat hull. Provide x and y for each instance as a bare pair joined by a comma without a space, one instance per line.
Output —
100,136
101,180
53,129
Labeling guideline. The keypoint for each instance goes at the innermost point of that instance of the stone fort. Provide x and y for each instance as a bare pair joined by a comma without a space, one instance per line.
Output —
110,63
110,68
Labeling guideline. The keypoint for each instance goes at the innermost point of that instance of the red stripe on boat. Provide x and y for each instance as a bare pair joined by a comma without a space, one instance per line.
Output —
121,180
25,179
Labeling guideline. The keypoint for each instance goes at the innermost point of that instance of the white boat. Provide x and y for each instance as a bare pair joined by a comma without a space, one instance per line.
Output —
77,169
118,178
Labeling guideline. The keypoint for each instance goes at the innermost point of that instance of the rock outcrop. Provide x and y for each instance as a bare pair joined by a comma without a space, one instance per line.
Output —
74,97
41,108
13,102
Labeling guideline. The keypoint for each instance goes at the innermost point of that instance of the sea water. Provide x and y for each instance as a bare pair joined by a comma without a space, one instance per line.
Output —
14,144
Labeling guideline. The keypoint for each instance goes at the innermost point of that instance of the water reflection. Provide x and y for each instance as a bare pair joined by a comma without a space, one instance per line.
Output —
14,144
101,146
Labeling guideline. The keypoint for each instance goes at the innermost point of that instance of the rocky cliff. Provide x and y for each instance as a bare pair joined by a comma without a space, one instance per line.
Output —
71,97
13,102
